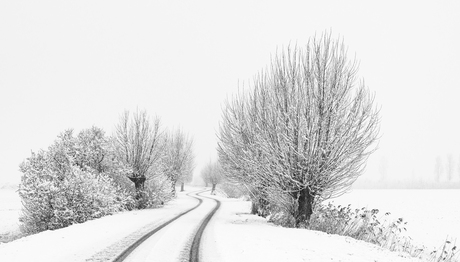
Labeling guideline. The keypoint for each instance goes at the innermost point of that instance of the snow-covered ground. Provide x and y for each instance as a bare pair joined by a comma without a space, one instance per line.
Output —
10,209
232,235
235,235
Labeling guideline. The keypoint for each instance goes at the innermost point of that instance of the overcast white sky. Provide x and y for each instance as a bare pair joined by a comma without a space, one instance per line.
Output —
74,64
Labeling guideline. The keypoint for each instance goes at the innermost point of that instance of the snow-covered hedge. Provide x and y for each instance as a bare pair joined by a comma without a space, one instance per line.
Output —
52,202
60,187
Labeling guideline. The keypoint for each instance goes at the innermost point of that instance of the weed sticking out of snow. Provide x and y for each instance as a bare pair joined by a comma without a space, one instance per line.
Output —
367,225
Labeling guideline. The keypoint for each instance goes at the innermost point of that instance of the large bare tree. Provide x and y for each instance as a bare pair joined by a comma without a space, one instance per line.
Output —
304,131
139,144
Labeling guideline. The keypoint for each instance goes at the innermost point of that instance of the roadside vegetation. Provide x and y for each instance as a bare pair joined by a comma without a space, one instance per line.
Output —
90,175
371,226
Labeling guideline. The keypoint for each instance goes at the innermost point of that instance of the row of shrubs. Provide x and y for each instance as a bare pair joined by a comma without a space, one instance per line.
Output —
78,179
362,224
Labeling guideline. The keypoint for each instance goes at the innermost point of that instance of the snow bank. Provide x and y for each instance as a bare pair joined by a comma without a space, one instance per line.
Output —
235,235
94,240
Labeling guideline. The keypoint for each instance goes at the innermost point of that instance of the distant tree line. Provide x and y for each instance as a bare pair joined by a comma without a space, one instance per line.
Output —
90,175
446,170
445,175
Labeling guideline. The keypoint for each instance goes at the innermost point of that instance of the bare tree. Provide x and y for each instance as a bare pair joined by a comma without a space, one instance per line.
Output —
212,173
178,163
305,130
138,144
187,172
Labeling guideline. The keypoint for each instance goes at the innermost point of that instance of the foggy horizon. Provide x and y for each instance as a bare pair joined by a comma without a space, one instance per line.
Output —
75,65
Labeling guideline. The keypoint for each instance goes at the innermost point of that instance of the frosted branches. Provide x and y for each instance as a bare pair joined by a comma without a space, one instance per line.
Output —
307,124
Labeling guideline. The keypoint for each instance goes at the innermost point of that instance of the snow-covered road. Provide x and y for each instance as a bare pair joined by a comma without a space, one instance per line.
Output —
174,242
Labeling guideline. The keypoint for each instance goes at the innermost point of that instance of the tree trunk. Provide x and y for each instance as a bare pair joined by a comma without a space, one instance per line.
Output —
305,206
182,187
140,195
213,188
254,207
264,207
138,185
260,206
173,188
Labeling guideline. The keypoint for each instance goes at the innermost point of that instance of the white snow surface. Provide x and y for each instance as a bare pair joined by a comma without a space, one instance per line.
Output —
235,235
173,242
232,235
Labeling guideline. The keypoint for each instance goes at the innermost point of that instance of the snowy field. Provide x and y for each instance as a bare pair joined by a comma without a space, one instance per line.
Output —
432,214
10,208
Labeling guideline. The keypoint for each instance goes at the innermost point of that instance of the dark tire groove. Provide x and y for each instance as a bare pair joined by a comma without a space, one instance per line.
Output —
133,246
194,250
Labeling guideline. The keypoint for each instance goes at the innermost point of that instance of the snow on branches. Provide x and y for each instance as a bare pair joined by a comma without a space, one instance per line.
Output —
304,131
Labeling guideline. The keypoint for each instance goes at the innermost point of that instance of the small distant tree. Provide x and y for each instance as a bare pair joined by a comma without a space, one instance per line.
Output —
304,132
139,144
178,161
188,173
212,174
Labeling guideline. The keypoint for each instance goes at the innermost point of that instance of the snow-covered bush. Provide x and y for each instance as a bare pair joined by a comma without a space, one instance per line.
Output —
52,201
68,184
158,190
233,191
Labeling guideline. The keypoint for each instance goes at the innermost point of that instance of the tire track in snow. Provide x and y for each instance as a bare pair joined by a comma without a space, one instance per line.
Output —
125,253
194,250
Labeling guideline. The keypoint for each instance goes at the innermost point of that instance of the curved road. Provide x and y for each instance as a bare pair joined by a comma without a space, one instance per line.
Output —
177,239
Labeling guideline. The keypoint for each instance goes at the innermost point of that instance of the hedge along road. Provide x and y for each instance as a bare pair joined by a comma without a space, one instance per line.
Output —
177,239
